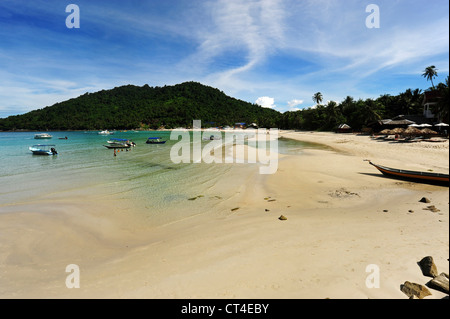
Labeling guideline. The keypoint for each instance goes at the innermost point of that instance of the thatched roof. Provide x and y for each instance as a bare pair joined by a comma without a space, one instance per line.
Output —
397,130
427,131
412,131
386,132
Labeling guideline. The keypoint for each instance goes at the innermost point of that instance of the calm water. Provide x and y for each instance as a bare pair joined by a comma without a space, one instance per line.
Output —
145,175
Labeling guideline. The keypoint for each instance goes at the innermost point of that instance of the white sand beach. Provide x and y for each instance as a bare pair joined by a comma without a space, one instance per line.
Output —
342,216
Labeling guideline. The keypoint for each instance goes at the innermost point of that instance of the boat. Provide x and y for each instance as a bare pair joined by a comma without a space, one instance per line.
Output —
155,140
41,149
119,143
415,176
42,136
105,132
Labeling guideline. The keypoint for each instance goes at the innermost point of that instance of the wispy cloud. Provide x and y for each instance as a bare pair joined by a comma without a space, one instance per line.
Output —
286,50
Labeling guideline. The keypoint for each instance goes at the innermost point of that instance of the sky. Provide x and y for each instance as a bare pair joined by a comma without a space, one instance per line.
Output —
276,53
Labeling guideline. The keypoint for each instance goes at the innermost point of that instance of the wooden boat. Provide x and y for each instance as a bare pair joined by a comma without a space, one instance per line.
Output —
421,177
155,140
41,149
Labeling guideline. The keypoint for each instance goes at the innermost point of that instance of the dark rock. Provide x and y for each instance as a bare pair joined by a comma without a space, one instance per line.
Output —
428,267
425,200
414,290
432,208
282,217
439,283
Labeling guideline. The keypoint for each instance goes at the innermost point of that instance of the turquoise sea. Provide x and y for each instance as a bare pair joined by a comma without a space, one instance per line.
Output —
145,177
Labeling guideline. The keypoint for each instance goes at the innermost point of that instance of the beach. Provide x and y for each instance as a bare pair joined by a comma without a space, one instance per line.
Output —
342,216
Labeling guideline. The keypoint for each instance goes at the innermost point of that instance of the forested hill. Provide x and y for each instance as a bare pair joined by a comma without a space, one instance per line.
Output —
130,107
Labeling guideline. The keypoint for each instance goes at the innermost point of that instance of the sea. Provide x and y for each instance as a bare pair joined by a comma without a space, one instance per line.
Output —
142,180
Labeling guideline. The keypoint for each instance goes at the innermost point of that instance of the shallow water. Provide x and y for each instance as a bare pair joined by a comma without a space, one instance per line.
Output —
144,178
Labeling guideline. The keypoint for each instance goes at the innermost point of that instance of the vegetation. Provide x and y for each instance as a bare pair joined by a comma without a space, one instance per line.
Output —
133,107
130,107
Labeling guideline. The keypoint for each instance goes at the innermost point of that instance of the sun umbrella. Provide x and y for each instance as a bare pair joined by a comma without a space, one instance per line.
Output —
427,131
412,131
386,132
442,124
397,130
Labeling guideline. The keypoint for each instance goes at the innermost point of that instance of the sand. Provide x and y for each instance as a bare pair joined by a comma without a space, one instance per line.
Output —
342,217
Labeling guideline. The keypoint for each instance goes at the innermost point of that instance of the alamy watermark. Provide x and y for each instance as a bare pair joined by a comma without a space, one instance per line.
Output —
262,147
373,279
73,19
373,19
73,280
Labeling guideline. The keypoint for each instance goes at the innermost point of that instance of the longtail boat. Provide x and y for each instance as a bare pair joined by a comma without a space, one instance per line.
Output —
421,177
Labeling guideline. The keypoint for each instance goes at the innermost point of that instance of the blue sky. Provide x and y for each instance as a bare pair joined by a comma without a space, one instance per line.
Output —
274,52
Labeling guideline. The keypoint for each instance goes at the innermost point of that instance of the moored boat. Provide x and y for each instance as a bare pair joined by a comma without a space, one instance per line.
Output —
42,136
155,140
119,143
415,176
105,132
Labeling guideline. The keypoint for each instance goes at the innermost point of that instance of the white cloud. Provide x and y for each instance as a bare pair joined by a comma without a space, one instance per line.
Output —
267,102
294,103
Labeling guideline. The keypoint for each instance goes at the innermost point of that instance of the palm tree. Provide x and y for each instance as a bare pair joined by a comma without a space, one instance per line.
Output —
430,73
317,97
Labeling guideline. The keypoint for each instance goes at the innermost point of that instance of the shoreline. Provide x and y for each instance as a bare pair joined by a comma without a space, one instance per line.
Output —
342,216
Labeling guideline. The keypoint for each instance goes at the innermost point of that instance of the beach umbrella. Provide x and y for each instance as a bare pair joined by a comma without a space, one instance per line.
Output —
427,131
414,125
441,124
425,125
397,130
386,132
412,131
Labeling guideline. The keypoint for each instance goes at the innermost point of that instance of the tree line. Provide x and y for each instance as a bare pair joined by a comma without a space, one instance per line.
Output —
134,107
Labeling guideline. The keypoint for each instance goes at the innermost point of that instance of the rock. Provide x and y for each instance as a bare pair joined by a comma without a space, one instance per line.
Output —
425,200
439,283
267,210
428,267
432,208
282,217
385,211
414,290
410,211
235,209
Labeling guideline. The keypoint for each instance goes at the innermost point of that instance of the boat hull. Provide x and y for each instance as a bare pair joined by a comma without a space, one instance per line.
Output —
414,176
162,142
111,146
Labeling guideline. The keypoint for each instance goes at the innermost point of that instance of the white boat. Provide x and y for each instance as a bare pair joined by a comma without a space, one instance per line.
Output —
40,149
105,132
42,136
119,143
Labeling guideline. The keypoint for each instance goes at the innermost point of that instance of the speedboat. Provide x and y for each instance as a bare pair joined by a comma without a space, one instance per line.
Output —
105,132
119,143
40,149
155,140
42,136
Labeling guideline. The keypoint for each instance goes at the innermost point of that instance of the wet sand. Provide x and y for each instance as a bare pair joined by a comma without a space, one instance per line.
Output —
342,216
